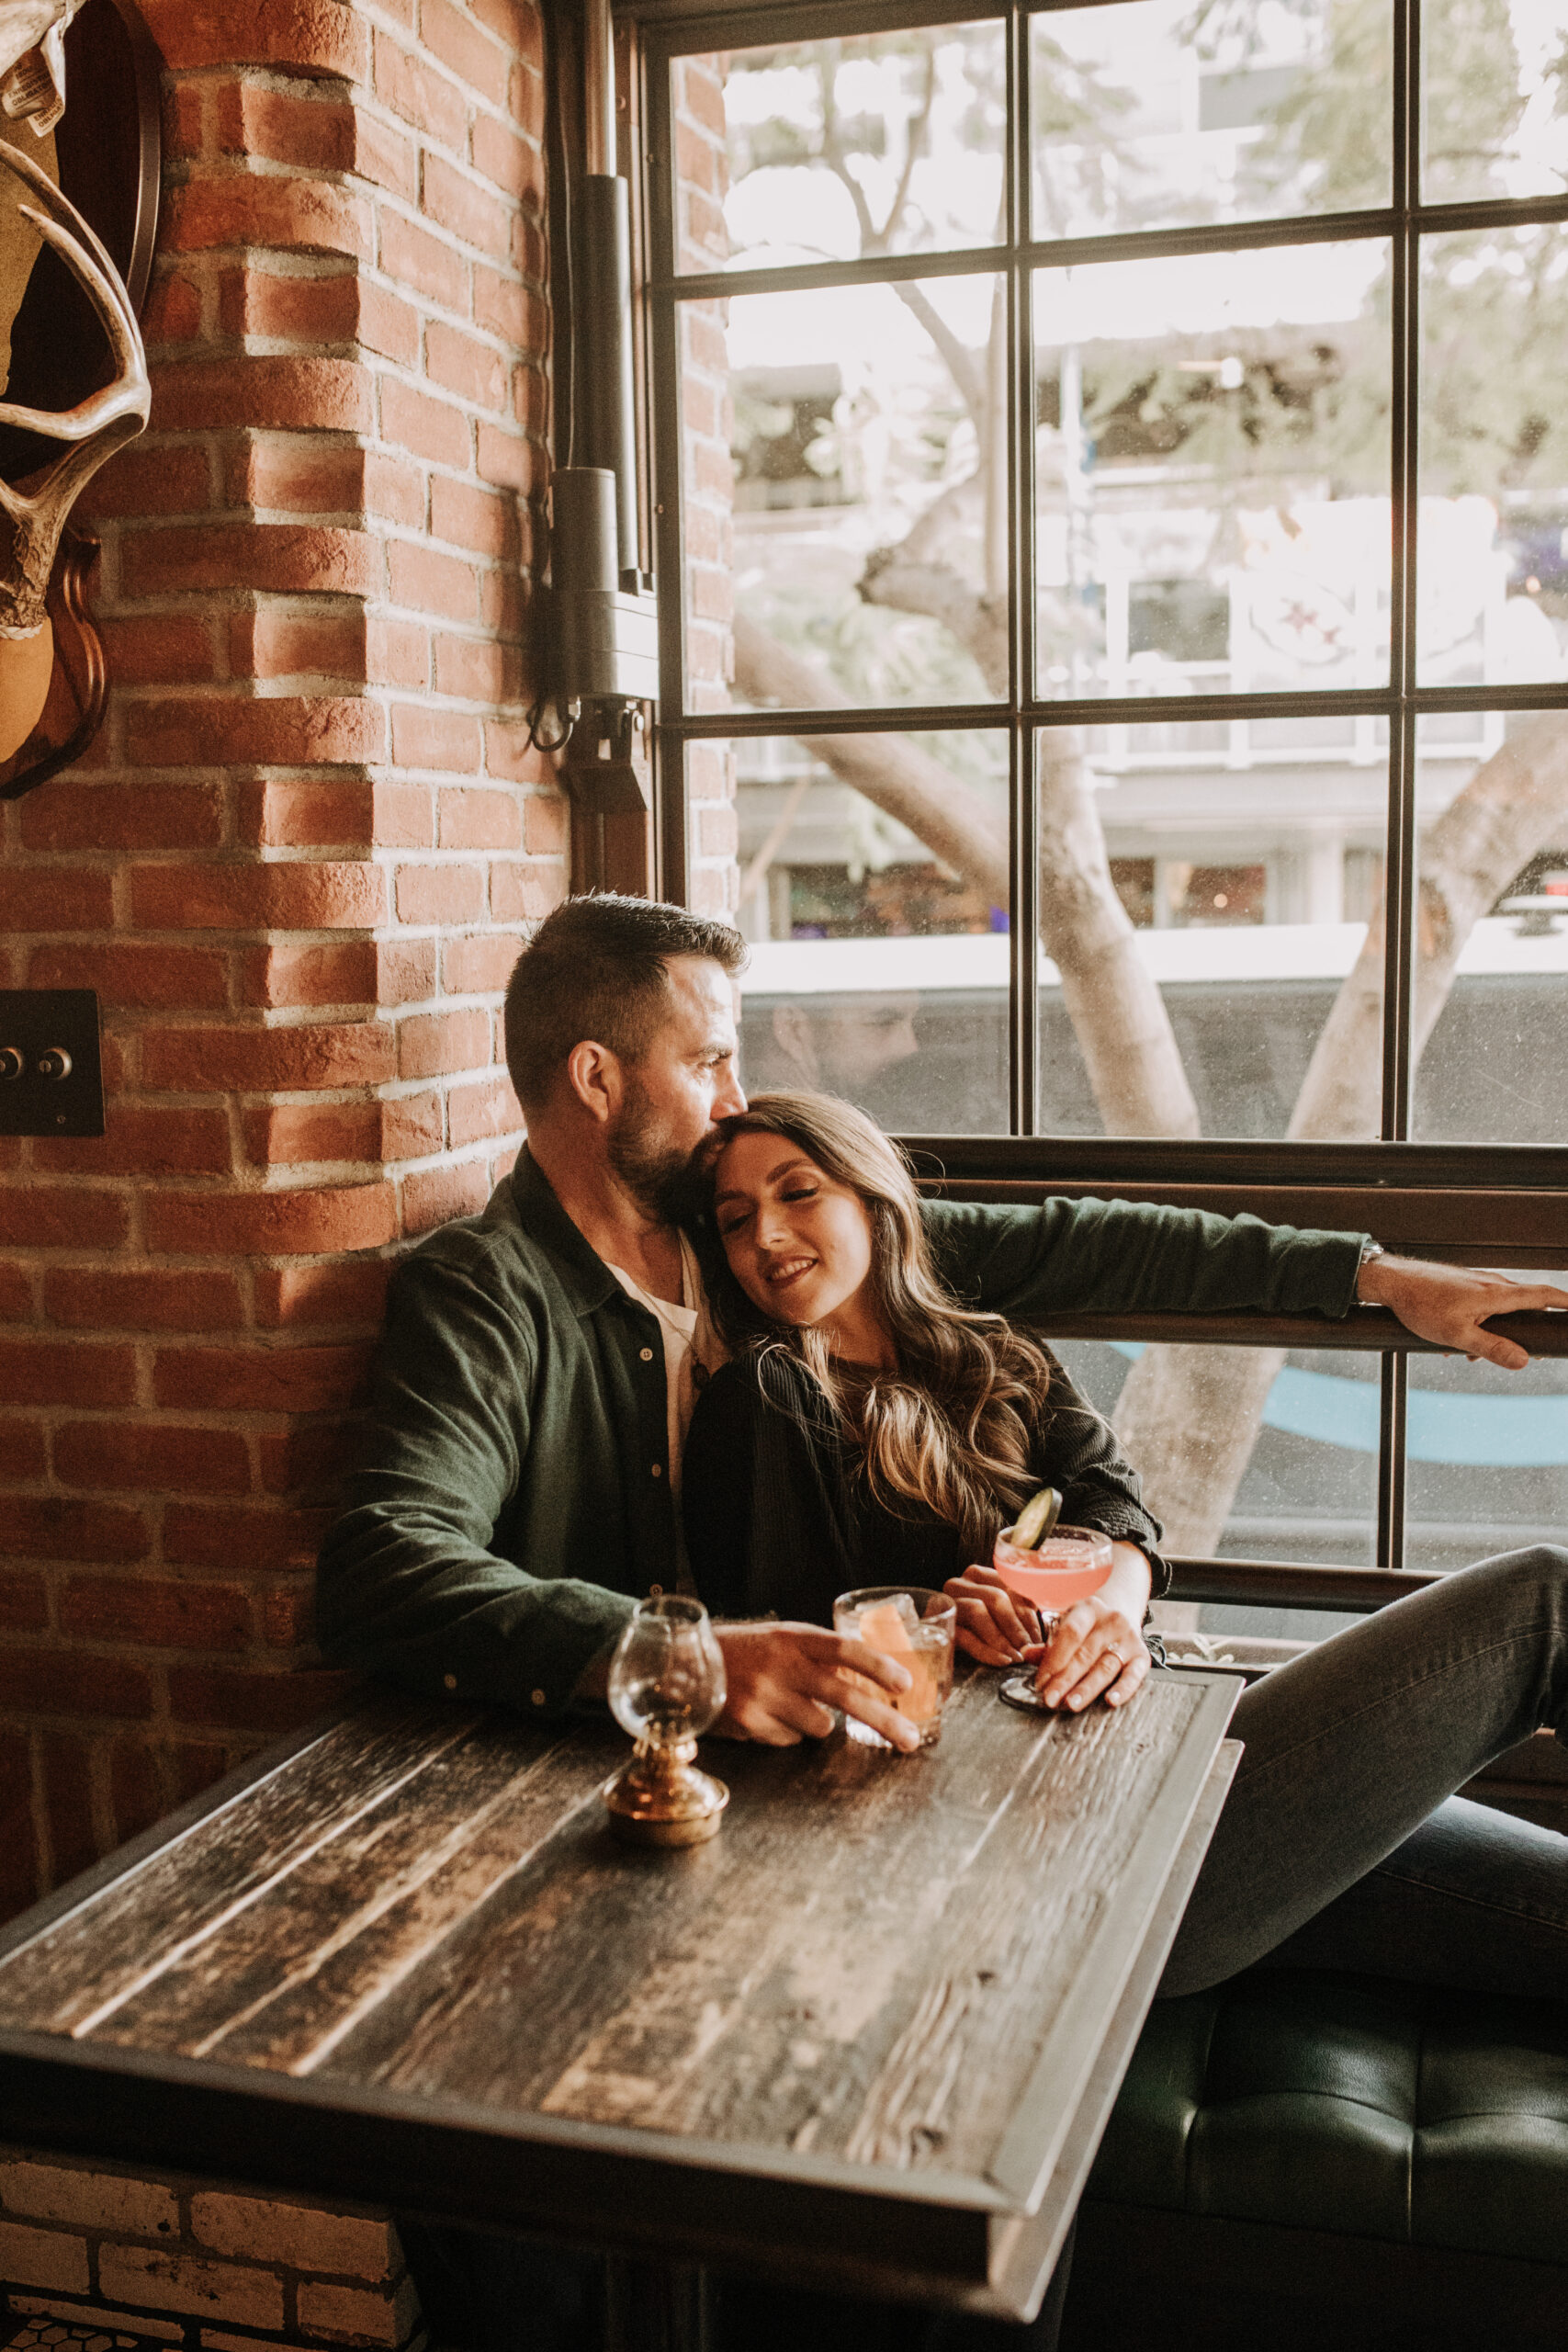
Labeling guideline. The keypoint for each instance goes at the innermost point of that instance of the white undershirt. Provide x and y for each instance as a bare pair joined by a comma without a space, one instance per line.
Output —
690,1342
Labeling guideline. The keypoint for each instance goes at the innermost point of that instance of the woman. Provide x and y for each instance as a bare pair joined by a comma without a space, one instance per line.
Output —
871,1429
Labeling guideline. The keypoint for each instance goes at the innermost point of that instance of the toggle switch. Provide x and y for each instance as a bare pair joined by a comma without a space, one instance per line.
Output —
50,1073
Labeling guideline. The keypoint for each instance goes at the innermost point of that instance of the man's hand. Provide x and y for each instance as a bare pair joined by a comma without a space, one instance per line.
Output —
785,1679
1450,1303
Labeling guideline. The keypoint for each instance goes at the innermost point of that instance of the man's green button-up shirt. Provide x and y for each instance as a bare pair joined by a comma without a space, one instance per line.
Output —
513,1502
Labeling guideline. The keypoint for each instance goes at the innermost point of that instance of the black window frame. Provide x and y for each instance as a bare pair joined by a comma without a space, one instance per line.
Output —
1424,1199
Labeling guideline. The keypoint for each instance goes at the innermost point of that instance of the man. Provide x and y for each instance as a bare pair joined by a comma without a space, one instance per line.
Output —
843,1048
540,1361
536,1377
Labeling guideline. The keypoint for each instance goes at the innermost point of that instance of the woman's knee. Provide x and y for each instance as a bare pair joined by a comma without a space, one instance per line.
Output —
1535,1570
1527,1589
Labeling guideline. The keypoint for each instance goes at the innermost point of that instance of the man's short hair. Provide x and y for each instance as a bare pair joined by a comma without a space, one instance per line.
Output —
596,969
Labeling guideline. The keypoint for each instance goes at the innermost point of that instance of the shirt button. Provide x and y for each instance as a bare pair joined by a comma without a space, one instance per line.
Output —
646,1354
450,1681
658,1469
537,1697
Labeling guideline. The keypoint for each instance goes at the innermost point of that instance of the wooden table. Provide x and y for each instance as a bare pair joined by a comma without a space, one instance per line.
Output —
866,2039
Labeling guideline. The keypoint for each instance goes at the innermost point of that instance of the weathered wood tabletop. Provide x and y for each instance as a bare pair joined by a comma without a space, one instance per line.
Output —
867,2037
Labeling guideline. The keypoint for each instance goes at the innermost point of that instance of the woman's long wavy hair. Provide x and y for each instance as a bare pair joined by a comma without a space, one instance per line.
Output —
956,1426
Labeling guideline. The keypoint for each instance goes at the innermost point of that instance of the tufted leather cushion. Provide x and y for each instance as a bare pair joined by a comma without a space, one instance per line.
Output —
1352,2104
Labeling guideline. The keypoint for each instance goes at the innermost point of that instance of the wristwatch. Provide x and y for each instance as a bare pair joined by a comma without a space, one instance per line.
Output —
1370,1249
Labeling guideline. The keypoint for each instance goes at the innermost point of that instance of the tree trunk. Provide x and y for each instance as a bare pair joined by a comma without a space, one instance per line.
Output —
1118,1014
892,771
1189,1417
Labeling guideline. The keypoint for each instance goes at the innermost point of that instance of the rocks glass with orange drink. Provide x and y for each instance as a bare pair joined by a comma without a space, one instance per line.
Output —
918,1628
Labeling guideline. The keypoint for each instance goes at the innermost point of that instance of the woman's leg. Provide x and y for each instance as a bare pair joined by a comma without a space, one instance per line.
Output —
1350,1751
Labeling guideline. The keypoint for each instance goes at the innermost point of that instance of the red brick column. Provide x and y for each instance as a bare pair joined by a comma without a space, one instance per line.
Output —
160,2255
295,867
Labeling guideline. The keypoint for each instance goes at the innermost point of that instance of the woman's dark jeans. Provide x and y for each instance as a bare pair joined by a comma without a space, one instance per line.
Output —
1335,1848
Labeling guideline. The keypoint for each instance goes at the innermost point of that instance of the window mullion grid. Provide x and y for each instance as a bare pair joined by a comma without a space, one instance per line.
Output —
1023,828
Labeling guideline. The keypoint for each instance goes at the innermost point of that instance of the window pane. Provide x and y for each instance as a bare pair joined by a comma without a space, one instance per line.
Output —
1309,1491
1488,1455
1213,471
1152,115
833,150
1205,898
1490,1028
1492,576
873,891
869,446
1492,119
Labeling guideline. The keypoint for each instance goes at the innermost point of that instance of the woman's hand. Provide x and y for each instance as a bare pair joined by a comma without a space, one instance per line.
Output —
1096,1651
784,1680
992,1627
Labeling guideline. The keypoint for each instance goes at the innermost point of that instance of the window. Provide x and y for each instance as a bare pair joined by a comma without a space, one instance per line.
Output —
1113,489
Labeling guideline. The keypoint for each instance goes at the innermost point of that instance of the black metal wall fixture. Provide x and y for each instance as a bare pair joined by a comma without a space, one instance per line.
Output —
597,639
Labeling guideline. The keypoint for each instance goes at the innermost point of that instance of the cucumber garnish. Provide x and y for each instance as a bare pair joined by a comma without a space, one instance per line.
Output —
1037,1518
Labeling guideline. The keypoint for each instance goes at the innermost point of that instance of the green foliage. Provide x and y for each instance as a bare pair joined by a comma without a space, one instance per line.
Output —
1311,407
1494,307
1327,142
1472,98
1495,320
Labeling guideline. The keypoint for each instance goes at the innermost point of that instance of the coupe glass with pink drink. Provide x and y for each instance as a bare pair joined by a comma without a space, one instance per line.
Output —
1064,1564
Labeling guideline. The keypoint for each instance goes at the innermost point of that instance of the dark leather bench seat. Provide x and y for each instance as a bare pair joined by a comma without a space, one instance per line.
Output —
1293,2131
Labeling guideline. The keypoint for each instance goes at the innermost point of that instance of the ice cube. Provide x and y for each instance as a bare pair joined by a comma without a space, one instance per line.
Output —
883,1627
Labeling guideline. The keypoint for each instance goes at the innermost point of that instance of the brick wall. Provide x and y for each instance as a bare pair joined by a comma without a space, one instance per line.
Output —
295,867
192,2263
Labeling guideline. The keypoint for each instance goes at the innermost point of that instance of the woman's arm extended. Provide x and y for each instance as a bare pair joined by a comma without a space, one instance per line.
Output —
1112,1257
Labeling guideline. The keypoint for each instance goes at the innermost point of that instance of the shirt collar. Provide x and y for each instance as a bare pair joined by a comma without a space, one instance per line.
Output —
527,1196
584,1277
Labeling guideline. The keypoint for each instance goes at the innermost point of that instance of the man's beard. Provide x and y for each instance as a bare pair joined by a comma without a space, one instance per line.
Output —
658,1175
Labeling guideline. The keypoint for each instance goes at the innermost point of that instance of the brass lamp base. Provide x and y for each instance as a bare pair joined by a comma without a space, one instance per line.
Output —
660,1799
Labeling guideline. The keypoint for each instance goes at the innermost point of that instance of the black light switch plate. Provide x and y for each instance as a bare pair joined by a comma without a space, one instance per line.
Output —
40,1030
